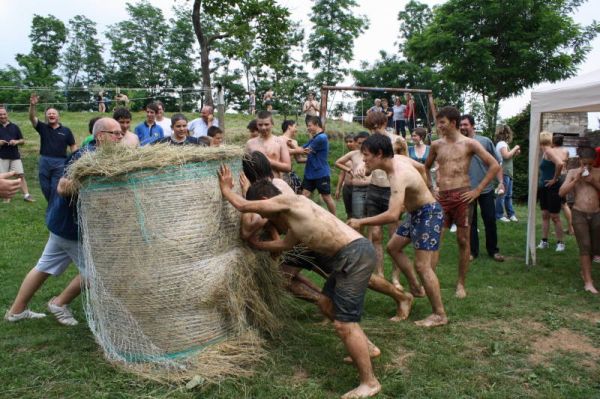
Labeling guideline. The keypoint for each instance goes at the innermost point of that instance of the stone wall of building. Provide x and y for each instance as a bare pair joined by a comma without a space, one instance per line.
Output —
574,123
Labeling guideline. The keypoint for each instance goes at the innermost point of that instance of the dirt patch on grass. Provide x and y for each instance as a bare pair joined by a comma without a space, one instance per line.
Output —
300,376
592,317
519,326
399,360
564,340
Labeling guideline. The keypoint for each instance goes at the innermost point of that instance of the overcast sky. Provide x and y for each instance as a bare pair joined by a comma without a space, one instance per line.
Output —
380,35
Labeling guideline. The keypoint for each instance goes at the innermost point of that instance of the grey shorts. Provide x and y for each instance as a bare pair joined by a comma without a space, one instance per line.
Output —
11,165
351,268
359,201
378,200
58,255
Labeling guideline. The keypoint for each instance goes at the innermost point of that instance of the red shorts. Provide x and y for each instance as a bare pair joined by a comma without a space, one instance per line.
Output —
456,210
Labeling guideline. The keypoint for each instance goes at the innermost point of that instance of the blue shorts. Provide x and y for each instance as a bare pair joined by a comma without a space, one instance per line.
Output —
424,227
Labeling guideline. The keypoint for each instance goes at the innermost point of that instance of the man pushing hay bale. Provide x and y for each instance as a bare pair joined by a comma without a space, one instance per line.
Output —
172,291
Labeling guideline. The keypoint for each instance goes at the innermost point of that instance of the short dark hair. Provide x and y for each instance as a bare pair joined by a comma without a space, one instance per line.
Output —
213,131
204,141
376,143
256,166
262,189
152,106
315,120
177,117
469,117
375,119
421,132
121,112
349,137
451,113
586,152
92,122
264,115
558,139
286,124
361,135
252,126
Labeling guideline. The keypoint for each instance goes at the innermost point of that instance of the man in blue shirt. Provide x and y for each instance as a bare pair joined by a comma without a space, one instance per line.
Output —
317,174
149,131
62,247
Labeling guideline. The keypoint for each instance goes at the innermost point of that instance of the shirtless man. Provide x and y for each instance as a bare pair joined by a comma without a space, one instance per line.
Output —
352,259
310,107
268,99
272,146
378,193
123,116
584,182
424,227
359,182
453,152
289,129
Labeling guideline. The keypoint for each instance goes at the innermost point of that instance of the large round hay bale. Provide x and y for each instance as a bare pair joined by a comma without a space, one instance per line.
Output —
168,276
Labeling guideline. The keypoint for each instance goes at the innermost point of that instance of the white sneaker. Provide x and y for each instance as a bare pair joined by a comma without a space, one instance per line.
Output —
62,313
596,259
513,218
26,314
504,219
453,228
560,247
543,245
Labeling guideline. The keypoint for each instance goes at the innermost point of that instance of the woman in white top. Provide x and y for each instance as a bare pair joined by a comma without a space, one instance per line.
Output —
399,120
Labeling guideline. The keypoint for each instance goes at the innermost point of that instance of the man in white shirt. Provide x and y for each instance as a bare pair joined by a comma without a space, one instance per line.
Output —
199,127
163,122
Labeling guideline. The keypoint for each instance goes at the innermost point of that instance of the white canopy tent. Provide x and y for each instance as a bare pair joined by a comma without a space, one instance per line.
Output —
578,94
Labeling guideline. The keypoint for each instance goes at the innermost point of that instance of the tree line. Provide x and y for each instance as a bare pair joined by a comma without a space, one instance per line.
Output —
474,51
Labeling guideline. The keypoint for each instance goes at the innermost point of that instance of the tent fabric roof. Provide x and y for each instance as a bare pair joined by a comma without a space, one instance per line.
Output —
578,94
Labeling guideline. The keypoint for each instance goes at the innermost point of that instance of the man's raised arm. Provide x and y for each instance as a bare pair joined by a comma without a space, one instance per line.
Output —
33,100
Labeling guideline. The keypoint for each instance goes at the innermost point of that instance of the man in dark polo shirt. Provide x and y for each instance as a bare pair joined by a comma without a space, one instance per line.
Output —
54,140
63,246
10,159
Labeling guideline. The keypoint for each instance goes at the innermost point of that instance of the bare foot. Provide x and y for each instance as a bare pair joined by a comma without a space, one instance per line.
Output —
363,391
460,291
590,288
374,352
433,320
404,307
397,284
418,292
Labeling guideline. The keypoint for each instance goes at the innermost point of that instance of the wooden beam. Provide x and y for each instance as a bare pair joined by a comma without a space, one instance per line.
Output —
380,89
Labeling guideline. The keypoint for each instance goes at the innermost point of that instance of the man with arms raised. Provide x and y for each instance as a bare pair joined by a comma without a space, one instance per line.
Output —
274,147
351,257
453,152
424,226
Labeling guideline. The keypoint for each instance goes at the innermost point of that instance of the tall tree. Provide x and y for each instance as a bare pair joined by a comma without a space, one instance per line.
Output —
82,61
496,49
48,35
259,29
137,51
179,49
331,42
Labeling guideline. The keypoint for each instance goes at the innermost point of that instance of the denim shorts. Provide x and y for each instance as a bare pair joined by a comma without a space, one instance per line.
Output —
378,200
359,201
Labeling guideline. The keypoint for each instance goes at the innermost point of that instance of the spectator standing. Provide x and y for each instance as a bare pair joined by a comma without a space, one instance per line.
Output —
504,137
180,134
399,122
389,113
148,131
268,99
409,113
252,102
419,151
557,143
162,121
10,159
199,126
54,140
376,107
310,107
486,199
317,174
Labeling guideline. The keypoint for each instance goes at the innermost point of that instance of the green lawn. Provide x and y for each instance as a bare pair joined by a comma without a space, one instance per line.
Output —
520,333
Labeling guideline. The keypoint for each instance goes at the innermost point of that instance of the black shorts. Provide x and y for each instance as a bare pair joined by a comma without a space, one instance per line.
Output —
549,199
322,184
378,200
346,286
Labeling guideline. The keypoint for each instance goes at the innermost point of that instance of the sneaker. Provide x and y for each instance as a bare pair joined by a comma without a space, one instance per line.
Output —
62,313
560,247
26,314
28,198
596,259
543,245
453,228
513,218
504,219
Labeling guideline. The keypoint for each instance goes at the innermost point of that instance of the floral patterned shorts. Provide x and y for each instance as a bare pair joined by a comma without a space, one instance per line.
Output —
424,227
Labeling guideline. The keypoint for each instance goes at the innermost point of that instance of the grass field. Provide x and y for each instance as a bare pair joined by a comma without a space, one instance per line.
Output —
520,333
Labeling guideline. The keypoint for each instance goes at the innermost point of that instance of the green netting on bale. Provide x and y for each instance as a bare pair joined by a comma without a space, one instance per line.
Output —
172,290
